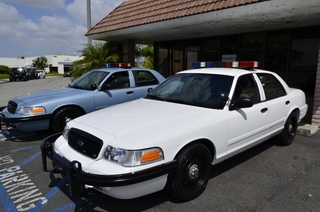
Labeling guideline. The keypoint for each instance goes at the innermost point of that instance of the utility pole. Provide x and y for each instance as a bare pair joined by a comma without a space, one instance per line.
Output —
89,19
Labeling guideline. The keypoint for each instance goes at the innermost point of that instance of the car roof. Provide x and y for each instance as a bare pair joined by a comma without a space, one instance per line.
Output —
221,71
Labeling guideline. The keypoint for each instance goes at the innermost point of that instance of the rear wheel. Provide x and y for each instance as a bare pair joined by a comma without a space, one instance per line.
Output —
10,78
289,131
62,116
193,173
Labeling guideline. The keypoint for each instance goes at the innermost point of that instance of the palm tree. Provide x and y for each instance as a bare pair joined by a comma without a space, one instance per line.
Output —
39,63
95,56
146,55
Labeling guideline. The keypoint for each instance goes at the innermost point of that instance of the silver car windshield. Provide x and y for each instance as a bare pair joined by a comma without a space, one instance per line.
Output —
193,89
87,80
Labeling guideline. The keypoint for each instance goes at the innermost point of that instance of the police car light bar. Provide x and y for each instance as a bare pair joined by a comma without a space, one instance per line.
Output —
118,65
233,64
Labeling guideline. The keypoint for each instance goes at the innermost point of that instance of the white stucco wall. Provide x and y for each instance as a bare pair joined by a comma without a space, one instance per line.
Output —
12,62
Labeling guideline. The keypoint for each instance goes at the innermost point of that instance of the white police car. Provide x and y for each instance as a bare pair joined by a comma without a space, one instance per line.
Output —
171,137
92,91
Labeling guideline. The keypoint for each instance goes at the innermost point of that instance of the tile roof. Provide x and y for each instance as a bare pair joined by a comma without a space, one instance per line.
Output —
133,13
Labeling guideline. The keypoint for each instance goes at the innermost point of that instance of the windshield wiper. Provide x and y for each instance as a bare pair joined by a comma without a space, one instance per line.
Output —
181,102
155,97
75,86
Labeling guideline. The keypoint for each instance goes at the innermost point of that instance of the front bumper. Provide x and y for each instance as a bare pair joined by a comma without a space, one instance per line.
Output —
32,123
77,175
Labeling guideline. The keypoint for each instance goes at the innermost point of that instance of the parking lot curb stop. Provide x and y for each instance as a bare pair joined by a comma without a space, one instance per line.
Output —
307,129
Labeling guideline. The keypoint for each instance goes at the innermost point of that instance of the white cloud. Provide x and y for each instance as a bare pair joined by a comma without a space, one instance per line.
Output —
44,4
59,30
99,9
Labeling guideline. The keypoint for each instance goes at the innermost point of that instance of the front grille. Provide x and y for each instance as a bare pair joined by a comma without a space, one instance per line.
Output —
85,143
12,106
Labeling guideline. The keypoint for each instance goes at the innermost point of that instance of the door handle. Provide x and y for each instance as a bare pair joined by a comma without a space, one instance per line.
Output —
264,110
287,102
130,92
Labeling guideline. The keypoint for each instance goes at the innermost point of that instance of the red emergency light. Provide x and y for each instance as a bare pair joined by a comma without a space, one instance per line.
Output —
243,64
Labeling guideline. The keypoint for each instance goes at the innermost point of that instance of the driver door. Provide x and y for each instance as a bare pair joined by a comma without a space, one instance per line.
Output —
247,125
115,90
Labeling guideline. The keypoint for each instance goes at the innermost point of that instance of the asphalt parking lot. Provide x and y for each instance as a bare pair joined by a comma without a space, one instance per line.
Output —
264,178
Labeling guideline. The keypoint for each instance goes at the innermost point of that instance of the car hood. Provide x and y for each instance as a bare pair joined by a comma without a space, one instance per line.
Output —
39,98
142,119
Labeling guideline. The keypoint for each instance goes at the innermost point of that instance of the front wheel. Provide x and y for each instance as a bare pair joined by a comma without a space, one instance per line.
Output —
193,173
289,131
62,116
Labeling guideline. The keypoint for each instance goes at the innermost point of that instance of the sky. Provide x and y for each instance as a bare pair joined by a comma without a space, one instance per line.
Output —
32,28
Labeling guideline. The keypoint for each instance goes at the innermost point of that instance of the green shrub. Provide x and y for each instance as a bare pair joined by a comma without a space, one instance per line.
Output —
4,69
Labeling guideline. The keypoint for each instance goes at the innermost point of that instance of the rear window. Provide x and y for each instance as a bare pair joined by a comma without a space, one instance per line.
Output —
144,78
272,87
17,69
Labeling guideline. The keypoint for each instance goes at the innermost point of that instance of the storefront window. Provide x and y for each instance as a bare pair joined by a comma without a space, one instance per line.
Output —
303,64
162,60
211,50
177,58
192,55
252,47
229,48
252,40
277,51
229,44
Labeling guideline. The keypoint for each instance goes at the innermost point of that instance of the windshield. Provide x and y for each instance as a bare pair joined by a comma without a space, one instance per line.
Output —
193,89
87,80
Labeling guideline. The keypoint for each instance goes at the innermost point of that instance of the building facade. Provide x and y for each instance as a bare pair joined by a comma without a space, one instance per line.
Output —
56,63
284,36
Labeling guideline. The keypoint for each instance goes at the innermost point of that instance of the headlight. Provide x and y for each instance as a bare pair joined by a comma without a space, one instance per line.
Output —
30,110
65,132
131,158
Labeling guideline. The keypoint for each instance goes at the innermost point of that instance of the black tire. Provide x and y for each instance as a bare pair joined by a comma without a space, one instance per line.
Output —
194,171
289,131
10,78
62,115
25,78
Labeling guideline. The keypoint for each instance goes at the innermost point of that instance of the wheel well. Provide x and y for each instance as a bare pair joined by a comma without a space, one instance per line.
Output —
296,112
205,142
75,106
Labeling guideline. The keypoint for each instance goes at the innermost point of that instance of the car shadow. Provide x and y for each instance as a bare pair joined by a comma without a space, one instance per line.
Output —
19,136
93,200
241,157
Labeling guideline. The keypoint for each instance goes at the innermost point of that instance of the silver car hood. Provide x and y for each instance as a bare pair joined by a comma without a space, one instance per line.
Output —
40,98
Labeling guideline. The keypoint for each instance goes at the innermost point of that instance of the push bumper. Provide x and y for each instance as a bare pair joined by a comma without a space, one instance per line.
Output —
77,175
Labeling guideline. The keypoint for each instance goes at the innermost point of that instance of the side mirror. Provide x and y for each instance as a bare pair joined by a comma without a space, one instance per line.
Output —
149,89
242,102
105,87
